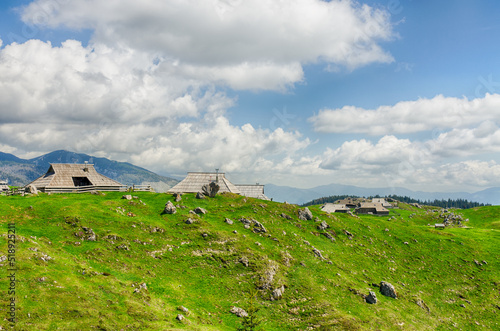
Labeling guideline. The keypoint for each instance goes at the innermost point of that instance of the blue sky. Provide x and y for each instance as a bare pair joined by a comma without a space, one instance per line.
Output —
303,93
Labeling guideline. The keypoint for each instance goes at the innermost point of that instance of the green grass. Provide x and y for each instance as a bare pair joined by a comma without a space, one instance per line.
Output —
90,285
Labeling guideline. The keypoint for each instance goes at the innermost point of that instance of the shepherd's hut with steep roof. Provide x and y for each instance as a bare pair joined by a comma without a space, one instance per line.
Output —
74,178
194,182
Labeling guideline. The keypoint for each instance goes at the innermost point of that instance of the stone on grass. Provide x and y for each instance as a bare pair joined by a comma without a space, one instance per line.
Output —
170,208
200,195
305,214
371,298
199,210
189,221
240,312
228,221
177,197
278,293
179,317
211,189
388,290
323,226
127,197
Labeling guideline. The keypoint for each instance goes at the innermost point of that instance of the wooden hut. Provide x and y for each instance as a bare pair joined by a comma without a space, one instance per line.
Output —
252,191
194,181
74,178
371,208
3,186
335,208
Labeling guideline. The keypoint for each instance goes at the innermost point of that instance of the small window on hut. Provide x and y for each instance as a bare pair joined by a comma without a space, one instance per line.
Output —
81,181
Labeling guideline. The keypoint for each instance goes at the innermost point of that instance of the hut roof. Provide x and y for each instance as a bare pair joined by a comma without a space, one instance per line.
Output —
333,207
252,191
3,185
194,181
65,175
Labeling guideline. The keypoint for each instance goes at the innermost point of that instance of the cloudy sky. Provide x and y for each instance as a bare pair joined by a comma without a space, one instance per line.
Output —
298,92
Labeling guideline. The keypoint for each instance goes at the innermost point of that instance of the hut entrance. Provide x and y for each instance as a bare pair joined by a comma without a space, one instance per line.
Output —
81,181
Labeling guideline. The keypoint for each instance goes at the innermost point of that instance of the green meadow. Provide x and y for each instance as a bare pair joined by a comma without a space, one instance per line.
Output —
145,264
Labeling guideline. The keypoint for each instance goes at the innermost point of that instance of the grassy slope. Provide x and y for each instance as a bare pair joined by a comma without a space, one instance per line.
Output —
435,268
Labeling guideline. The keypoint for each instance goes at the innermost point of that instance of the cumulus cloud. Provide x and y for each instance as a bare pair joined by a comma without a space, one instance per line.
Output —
258,44
410,116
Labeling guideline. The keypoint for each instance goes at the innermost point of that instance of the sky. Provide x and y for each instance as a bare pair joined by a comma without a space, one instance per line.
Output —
392,93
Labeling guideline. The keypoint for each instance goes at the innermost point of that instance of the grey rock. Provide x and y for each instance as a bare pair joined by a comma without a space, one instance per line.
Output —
200,195
89,234
329,236
371,298
179,317
244,260
211,189
305,214
177,197
285,216
127,197
258,227
278,293
32,189
323,226
318,253
239,312
388,290
228,221
189,221
170,208
199,210
183,309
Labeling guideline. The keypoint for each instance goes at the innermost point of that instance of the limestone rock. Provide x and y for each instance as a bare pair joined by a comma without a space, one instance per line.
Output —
278,293
200,195
189,221
211,189
199,210
285,216
89,234
179,317
305,214
170,208
371,298
323,226
388,290
239,311
127,197
183,309
32,189
177,197
228,221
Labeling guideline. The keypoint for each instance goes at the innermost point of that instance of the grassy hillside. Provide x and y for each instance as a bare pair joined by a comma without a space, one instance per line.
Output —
146,264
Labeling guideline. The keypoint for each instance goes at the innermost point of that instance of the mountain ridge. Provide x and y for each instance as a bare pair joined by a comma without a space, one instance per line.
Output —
301,196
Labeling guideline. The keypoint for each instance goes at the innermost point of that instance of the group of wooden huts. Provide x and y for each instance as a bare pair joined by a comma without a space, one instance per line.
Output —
78,178
377,206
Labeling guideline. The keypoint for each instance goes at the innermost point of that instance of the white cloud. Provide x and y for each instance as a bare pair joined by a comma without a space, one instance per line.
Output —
410,116
252,44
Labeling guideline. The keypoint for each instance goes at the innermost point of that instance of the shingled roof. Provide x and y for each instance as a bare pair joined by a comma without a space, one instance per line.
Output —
252,191
194,181
65,177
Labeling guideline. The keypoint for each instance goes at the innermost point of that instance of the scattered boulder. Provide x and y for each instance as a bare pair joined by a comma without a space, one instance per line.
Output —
123,247
189,221
318,253
285,216
199,210
211,189
371,298
3,258
240,312
127,197
329,236
388,290
278,293
305,214
200,195
244,260
258,227
323,226
32,189
228,221
170,208
179,317
177,197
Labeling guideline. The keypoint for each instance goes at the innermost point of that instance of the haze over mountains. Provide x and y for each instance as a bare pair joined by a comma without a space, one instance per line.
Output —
300,196
20,172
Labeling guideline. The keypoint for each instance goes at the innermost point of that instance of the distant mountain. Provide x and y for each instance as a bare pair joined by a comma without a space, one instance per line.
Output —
300,196
20,172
